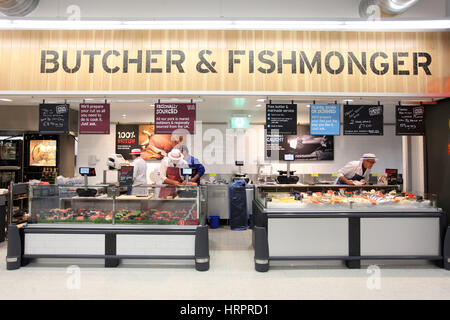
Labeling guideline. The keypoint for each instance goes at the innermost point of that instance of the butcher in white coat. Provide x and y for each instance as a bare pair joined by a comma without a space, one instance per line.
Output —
356,172
140,168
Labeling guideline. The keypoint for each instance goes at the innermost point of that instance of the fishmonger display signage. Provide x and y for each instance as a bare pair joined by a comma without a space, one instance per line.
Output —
174,116
302,145
363,120
410,121
325,119
281,117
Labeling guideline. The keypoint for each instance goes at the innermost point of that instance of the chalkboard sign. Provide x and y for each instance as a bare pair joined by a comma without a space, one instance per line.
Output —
53,118
281,117
410,121
363,120
126,176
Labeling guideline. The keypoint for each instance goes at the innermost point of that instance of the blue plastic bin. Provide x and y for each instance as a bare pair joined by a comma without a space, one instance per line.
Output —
214,222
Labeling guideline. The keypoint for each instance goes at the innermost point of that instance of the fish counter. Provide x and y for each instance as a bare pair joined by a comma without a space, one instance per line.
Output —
164,223
349,224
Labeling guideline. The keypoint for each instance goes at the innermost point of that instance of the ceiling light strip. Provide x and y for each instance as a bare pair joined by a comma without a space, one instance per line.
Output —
305,25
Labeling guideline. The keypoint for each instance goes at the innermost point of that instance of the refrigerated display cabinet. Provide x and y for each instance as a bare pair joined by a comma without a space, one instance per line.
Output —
163,222
350,224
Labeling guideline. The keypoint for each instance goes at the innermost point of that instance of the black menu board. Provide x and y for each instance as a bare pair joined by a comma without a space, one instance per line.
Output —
363,120
53,118
126,176
410,121
281,117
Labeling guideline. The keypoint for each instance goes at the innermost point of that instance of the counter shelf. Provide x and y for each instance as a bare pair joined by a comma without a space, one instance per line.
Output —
328,226
165,223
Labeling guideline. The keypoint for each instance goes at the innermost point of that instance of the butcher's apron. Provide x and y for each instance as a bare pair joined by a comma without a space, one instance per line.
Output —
172,173
356,177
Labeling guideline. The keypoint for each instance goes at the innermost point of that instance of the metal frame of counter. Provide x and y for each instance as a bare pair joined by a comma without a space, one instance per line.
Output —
109,242
2,218
351,236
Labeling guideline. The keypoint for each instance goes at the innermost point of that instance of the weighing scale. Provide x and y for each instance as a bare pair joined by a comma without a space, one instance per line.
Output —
187,173
240,175
86,192
287,177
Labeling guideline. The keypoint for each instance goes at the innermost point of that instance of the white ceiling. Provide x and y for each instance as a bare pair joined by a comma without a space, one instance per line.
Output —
220,9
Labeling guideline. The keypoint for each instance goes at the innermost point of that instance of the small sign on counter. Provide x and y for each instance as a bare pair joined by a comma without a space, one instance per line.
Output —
126,176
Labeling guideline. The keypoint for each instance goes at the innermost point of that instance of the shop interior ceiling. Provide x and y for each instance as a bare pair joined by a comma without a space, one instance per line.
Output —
221,9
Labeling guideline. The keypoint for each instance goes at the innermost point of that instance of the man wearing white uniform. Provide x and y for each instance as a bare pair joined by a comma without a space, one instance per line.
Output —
357,172
140,168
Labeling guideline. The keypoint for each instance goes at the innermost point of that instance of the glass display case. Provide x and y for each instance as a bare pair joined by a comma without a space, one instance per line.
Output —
108,222
296,198
348,224
104,204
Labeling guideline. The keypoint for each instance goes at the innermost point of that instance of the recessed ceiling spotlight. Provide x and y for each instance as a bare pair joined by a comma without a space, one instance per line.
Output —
259,105
347,100
260,100
6,100
124,116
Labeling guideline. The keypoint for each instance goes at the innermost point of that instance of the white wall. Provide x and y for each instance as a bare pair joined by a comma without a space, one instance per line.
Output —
218,148
347,148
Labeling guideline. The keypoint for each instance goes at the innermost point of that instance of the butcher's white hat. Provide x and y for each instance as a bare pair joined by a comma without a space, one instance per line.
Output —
367,156
175,155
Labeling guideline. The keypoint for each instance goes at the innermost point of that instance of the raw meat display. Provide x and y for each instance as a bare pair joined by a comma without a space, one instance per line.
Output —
153,216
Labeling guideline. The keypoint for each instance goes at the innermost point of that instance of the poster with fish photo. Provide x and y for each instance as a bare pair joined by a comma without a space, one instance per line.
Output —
303,145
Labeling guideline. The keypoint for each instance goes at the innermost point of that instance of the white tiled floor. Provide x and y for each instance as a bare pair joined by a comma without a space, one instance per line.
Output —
231,276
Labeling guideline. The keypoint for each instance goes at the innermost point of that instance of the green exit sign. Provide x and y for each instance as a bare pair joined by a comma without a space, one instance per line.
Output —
240,122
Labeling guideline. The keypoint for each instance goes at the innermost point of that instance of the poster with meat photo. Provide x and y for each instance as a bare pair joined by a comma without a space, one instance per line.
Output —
156,146
153,146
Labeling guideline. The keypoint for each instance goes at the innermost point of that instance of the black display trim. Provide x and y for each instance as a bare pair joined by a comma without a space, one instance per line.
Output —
2,222
110,250
96,256
288,258
354,242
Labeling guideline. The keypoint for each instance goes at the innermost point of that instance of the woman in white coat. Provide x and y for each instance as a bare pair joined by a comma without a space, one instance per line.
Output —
357,172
